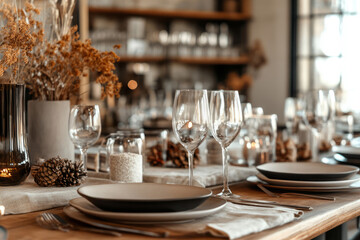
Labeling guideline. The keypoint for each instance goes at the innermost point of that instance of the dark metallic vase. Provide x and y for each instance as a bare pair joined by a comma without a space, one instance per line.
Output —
14,157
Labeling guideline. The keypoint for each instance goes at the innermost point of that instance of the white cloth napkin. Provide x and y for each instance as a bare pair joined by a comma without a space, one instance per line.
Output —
29,197
239,220
205,176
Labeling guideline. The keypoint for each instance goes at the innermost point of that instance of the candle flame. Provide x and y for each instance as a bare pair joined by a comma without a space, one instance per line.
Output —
2,210
5,173
190,124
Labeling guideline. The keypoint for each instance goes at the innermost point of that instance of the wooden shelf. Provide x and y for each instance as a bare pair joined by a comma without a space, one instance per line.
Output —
213,61
125,59
199,15
243,60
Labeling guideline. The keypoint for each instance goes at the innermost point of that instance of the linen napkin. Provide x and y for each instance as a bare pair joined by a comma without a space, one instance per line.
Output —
29,197
235,221
205,176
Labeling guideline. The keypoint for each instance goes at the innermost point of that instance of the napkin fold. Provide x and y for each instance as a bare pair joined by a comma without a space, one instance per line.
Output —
204,176
235,221
29,197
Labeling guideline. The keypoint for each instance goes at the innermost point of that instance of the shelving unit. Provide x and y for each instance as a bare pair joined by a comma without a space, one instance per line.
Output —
237,21
194,15
189,60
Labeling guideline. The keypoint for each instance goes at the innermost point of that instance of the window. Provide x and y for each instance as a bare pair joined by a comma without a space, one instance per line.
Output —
327,47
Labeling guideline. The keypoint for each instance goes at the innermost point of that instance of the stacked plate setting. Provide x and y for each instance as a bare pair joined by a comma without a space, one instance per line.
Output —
143,203
348,154
307,176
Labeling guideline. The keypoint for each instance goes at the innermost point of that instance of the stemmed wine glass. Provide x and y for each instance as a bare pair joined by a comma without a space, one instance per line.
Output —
225,122
190,121
318,107
84,128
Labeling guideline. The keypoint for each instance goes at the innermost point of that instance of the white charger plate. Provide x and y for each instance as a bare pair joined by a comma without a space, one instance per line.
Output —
210,206
145,197
354,186
280,182
307,171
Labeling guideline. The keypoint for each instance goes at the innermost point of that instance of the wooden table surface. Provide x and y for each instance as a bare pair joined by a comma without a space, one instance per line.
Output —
325,216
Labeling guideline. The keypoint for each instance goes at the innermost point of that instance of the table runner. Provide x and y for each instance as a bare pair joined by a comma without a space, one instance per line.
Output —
28,197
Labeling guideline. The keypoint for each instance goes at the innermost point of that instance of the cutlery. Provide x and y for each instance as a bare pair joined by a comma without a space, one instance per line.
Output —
112,228
49,221
272,194
262,203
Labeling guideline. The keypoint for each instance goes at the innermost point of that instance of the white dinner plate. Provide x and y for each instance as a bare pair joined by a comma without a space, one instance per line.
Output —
210,206
295,183
354,186
145,197
307,171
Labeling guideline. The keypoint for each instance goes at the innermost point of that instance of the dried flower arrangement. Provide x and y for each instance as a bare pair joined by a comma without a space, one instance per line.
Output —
51,69
17,39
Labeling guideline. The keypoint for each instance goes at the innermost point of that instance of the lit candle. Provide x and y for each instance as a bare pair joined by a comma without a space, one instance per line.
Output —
2,210
5,173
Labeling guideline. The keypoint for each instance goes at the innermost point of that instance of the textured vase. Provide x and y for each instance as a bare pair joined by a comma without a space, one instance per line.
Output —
14,157
48,131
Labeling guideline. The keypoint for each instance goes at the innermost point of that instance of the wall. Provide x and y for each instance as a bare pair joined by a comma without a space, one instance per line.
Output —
270,24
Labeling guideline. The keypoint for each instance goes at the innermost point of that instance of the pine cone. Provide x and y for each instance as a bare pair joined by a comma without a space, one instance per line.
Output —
155,156
59,172
47,174
73,174
178,155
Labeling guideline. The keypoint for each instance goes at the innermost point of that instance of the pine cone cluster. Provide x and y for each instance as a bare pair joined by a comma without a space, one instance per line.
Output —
59,172
175,152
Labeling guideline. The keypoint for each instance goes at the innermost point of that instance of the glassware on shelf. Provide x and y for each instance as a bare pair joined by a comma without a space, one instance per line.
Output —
225,122
84,128
190,121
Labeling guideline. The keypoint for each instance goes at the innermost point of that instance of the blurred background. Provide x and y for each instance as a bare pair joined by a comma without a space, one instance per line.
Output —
267,50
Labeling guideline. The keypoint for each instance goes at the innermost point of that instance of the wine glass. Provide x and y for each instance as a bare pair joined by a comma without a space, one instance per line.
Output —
318,107
225,122
190,121
84,128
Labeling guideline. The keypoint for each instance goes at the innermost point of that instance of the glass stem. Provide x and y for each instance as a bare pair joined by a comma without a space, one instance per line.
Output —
83,157
191,167
226,190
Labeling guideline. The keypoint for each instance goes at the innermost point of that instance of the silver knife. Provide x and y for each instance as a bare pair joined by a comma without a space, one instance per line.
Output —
269,203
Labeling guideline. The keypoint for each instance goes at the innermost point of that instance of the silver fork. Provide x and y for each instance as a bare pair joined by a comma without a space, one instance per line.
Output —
49,221
60,223
290,194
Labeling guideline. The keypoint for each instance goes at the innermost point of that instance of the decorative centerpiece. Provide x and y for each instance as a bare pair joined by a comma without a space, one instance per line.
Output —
51,65
53,75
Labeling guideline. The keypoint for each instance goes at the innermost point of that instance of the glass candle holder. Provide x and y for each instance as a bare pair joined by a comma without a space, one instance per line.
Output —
125,154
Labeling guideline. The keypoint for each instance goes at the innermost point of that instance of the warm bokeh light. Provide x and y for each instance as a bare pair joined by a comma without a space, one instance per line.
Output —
132,84
2,210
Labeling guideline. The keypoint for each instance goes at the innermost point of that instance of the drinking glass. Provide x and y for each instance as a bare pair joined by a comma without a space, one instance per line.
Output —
225,122
190,121
290,115
318,107
84,128
263,128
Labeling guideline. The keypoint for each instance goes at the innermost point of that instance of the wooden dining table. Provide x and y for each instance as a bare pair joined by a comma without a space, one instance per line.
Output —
326,217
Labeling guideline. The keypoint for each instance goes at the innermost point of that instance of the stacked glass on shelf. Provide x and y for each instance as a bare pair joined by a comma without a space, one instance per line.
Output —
215,41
